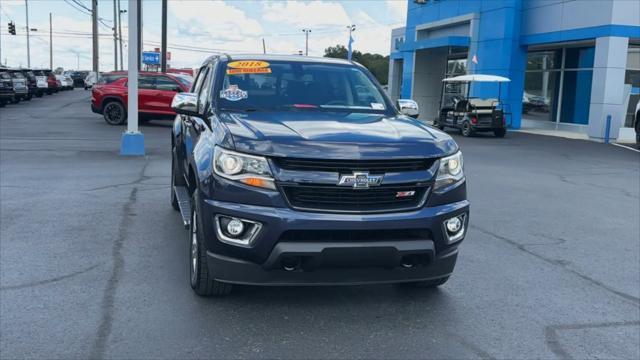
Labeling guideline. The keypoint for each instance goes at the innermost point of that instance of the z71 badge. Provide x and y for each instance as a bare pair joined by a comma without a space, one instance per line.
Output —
232,93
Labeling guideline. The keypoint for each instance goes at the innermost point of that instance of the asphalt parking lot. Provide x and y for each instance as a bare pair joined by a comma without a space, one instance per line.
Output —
93,260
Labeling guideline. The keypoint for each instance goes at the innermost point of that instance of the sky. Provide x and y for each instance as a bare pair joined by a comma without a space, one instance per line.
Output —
197,28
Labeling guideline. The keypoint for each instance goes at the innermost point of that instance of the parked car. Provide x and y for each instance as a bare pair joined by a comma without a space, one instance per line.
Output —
66,83
7,95
32,83
52,82
42,82
78,77
19,86
286,175
90,80
155,93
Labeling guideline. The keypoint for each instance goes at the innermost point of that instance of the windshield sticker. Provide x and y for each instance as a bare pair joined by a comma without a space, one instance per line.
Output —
248,64
377,106
249,71
232,93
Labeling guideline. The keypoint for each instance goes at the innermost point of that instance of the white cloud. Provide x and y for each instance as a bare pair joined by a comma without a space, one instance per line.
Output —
214,18
306,14
211,26
398,9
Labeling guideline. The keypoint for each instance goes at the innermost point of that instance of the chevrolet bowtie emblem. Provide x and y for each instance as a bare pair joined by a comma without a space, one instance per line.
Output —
360,180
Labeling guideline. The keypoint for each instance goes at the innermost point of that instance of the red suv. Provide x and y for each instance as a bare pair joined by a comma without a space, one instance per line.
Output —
155,93
52,82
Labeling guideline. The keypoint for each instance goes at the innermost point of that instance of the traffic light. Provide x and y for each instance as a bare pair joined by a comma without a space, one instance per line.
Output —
12,28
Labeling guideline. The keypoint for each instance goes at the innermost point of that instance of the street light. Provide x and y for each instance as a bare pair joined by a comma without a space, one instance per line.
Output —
306,34
351,28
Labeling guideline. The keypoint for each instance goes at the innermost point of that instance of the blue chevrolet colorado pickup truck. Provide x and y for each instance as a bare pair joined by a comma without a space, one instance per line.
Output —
292,170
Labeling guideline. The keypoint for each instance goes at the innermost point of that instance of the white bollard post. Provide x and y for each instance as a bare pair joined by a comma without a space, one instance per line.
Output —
132,139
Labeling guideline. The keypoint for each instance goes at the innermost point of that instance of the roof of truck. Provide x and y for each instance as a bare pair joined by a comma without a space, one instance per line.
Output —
292,58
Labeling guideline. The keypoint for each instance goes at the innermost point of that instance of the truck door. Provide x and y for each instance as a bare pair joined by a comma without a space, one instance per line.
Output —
193,125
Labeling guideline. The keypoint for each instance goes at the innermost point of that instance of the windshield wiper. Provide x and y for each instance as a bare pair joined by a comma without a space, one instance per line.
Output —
242,110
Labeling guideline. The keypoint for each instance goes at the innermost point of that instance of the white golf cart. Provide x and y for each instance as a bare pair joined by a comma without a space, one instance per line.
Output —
469,114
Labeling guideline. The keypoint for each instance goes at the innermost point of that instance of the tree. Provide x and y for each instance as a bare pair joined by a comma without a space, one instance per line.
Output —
376,63
58,70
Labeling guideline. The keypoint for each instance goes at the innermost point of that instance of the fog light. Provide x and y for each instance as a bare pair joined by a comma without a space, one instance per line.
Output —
235,227
454,228
453,225
236,231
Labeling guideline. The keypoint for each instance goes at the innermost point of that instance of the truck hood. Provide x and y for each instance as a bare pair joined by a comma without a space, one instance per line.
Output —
311,134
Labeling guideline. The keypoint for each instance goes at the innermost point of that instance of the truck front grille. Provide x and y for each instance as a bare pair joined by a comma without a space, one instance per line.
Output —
332,198
348,166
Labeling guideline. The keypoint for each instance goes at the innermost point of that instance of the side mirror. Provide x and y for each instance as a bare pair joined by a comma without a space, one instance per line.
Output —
185,104
408,107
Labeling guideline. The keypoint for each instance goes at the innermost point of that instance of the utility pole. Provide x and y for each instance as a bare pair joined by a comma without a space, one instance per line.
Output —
306,34
50,42
138,31
163,48
120,34
264,47
26,9
94,19
115,38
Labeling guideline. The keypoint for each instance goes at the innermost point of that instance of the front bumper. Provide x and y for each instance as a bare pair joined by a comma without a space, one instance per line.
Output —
331,260
236,271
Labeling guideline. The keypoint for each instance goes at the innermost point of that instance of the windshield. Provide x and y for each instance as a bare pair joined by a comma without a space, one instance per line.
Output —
277,85
185,80
5,75
109,78
17,75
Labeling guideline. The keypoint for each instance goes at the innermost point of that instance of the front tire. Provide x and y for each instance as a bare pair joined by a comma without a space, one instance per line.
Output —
466,129
199,274
114,113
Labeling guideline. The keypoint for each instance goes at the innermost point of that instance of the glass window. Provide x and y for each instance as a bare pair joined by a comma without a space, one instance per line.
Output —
539,99
185,80
109,78
146,82
456,67
544,60
5,75
199,78
302,86
167,84
632,77
578,58
204,91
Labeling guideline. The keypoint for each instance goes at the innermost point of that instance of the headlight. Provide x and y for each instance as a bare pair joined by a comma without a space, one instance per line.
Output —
248,169
450,171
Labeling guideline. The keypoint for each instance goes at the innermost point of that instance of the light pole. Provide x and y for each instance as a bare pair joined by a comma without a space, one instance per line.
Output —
50,42
115,37
306,34
351,28
120,32
26,9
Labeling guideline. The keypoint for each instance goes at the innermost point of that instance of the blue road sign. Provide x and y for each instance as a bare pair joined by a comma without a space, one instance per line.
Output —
150,58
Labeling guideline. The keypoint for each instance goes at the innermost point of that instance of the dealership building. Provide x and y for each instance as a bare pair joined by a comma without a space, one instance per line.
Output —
572,63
